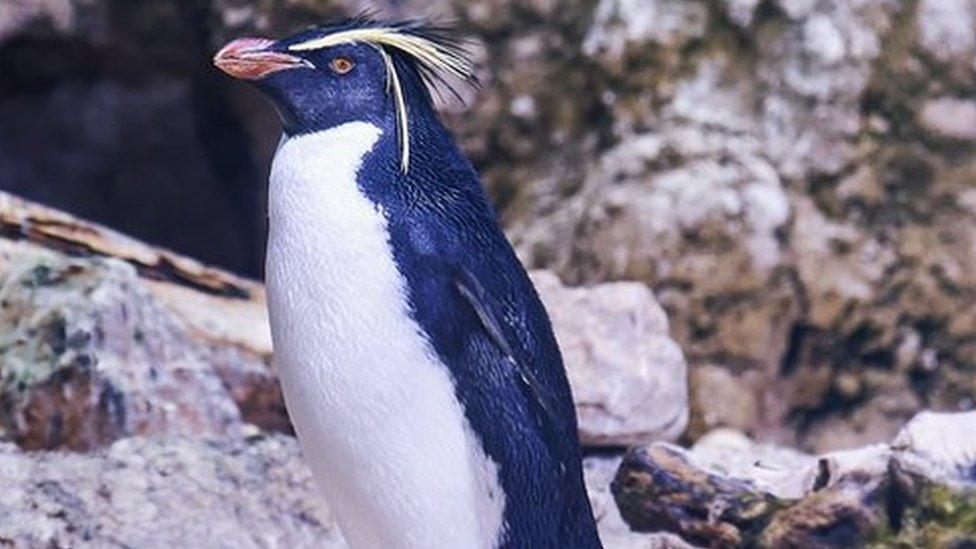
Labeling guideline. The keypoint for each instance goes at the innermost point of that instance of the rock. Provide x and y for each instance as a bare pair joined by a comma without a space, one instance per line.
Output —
945,29
629,378
741,12
941,443
733,454
918,491
168,492
257,492
950,118
720,398
621,23
614,533
104,337
88,358
793,182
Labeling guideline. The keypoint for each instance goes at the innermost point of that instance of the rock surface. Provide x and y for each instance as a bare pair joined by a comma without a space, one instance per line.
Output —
102,337
629,378
168,492
89,357
792,180
917,491
177,492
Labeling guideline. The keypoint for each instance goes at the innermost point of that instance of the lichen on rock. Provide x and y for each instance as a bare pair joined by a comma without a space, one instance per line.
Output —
88,357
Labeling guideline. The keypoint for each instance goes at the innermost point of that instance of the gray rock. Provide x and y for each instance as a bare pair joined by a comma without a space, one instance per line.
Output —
619,24
179,492
103,337
741,12
161,493
88,357
947,29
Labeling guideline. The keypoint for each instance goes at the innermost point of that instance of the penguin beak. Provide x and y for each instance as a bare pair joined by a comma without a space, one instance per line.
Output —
250,59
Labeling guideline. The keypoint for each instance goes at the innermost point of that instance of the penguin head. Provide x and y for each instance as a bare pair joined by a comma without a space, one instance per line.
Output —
316,89
361,69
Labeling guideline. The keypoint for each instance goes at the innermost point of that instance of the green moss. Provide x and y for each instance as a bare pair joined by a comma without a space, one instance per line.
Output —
942,517
39,276
42,302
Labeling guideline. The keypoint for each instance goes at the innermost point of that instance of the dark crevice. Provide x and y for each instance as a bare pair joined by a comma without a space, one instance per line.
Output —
132,127
604,451
794,346
225,141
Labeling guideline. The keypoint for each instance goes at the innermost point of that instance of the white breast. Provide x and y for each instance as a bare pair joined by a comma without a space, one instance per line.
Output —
373,406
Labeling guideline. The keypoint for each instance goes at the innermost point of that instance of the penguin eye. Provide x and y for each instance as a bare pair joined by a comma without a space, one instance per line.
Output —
341,65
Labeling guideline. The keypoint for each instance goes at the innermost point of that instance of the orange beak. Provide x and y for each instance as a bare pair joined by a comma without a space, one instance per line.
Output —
248,59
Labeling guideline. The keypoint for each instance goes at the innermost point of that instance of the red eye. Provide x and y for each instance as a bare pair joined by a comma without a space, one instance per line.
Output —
341,65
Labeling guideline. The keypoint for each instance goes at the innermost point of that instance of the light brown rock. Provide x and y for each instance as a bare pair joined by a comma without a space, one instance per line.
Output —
629,378
798,200
950,118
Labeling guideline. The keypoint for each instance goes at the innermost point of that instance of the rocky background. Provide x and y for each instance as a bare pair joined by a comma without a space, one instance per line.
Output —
791,184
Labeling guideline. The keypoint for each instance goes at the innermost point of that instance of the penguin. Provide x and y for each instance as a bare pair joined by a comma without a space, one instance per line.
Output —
417,362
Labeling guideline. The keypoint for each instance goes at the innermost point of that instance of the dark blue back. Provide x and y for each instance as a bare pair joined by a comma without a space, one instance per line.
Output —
441,225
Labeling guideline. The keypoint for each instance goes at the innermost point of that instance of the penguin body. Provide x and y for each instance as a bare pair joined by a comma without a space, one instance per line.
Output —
372,402
417,362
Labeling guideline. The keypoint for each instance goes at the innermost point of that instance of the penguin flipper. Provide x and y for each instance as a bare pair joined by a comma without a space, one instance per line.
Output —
474,293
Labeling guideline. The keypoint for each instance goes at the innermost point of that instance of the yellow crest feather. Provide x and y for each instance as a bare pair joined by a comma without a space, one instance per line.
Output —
432,55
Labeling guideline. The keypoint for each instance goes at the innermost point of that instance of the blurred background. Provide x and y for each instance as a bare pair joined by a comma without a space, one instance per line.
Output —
795,179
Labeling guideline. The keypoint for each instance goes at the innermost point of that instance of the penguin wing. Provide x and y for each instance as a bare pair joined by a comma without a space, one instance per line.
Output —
485,308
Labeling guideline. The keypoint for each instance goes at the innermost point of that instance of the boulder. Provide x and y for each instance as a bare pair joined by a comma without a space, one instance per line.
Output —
793,181
89,357
629,378
104,337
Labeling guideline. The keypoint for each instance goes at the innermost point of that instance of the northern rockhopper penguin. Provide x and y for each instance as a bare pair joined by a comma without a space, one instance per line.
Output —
418,365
